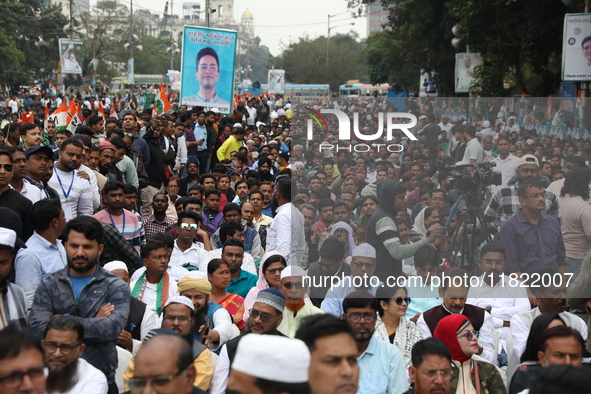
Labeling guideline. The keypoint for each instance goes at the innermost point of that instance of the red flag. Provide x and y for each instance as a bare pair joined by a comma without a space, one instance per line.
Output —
101,111
113,113
71,112
25,118
46,112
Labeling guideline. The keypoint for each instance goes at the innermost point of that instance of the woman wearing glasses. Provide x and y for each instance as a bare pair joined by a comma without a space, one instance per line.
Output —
270,269
468,375
392,326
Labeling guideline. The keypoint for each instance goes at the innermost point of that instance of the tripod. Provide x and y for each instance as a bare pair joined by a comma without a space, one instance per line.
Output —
464,239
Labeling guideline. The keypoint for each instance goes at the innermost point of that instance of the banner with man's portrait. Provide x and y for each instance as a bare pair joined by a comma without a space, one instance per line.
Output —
465,63
276,81
71,55
576,48
207,68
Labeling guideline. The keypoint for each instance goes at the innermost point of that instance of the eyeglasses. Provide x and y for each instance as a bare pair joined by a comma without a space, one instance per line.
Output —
15,379
399,300
497,263
356,316
65,349
192,226
181,319
158,381
432,373
360,265
275,270
265,317
7,167
536,195
469,335
294,285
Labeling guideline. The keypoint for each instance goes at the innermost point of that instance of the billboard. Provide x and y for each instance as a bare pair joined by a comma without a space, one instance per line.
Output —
465,63
207,68
71,55
175,79
576,48
276,80
426,85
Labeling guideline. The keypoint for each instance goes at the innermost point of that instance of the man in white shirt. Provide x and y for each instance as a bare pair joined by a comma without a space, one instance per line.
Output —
506,162
473,152
75,193
550,298
252,113
68,372
497,294
444,125
286,233
487,131
187,253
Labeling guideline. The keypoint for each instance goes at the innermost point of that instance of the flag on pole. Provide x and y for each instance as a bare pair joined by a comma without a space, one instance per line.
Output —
52,89
59,117
162,104
101,111
113,113
579,109
46,113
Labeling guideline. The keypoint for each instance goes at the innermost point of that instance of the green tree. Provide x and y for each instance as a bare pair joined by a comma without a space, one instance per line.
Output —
258,60
30,31
305,61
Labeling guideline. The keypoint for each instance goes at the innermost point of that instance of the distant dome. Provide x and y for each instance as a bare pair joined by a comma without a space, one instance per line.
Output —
247,14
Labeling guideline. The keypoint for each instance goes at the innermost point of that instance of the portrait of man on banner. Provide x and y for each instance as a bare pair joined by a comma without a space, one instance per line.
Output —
208,73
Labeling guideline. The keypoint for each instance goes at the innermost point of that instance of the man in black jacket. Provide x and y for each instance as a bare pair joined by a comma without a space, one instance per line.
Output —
155,170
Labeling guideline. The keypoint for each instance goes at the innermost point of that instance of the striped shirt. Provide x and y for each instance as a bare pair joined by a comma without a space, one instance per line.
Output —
132,229
77,200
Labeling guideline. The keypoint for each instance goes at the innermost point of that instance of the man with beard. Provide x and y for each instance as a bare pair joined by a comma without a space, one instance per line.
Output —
178,317
241,189
247,212
123,220
75,193
252,240
241,281
85,290
158,222
267,189
265,316
431,367
106,164
138,144
221,328
381,366
550,299
63,346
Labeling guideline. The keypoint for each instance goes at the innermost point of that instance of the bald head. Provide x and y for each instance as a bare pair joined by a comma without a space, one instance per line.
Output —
167,355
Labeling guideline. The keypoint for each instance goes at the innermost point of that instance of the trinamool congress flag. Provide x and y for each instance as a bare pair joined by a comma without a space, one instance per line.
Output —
207,68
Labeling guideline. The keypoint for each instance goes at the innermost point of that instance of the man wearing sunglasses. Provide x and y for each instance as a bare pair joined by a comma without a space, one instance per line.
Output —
362,277
381,366
297,306
501,297
68,372
186,253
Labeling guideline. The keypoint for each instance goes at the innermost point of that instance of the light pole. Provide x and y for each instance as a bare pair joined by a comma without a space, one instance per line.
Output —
74,26
130,46
328,35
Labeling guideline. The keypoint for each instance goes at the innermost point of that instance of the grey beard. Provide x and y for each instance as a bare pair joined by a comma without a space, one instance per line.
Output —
64,380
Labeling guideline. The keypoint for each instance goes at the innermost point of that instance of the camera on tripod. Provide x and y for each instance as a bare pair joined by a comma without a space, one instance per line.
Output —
473,179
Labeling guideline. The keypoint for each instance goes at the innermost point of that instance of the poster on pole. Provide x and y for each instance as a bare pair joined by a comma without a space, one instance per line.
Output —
276,80
71,55
130,71
576,48
465,63
175,79
426,85
207,68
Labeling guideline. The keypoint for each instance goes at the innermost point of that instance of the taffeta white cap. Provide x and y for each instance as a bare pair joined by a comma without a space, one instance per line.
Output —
274,358
116,265
292,270
364,250
7,237
180,300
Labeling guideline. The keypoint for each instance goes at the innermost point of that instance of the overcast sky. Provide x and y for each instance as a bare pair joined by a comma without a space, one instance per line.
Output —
281,22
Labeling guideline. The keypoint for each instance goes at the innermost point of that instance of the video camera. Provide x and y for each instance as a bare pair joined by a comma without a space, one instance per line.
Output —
473,183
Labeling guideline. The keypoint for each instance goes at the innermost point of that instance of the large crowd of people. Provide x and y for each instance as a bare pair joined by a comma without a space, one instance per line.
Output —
256,252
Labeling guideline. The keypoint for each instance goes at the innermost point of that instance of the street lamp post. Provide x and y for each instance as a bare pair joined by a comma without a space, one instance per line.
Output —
130,46
328,32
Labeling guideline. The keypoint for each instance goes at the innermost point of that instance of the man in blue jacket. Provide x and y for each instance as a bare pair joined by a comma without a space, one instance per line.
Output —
85,290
